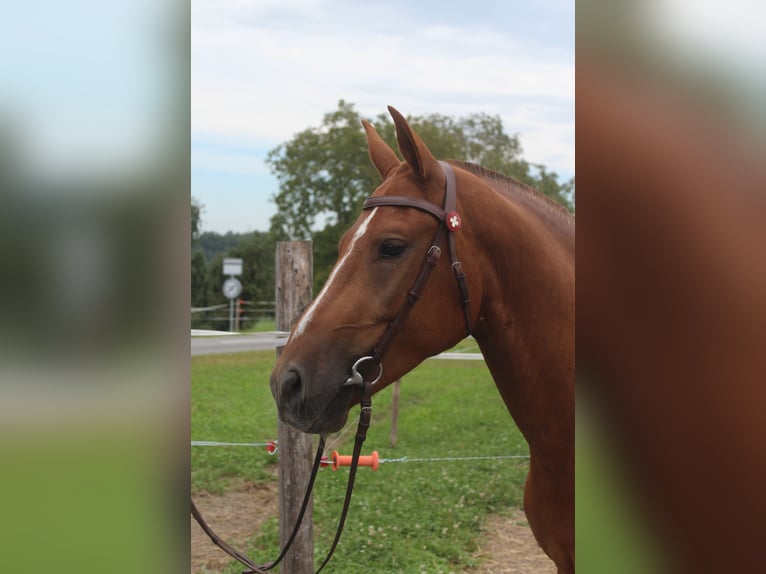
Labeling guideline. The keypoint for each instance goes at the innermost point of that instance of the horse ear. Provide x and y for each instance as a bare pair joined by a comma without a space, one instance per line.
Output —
383,157
412,147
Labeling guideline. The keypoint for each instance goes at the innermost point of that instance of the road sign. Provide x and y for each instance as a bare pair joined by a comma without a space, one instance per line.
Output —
232,266
232,288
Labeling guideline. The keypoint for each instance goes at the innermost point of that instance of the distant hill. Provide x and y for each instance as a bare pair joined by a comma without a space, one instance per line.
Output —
212,243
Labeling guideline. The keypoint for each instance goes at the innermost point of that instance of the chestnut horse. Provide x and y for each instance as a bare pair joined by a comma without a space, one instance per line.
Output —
517,252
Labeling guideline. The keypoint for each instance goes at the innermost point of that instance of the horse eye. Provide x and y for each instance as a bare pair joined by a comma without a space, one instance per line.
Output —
391,249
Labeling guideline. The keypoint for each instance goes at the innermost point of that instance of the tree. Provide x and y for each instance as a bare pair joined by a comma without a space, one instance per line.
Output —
325,173
198,259
212,243
198,276
547,182
257,254
196,221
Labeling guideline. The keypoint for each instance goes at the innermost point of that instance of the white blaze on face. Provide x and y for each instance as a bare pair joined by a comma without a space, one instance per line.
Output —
328,286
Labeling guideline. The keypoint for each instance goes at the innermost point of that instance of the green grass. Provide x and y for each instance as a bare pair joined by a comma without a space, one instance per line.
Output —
613,535
231,402
88,492
406,517
467,345
262,325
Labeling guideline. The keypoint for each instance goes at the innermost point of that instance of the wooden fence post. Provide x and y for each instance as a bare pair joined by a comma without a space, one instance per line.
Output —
294,275
394,413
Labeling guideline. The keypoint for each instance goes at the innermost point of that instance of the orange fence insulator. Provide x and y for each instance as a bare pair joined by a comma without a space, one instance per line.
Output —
342,460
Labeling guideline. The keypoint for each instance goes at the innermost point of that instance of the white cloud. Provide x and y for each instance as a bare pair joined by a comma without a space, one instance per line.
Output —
264,70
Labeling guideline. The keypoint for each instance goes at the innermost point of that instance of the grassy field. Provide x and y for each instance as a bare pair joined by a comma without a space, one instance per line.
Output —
262,325
407,516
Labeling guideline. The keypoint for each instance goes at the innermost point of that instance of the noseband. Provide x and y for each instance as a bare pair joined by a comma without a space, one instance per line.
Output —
449,223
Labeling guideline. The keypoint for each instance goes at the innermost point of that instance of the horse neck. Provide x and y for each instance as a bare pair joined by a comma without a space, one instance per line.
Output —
525,327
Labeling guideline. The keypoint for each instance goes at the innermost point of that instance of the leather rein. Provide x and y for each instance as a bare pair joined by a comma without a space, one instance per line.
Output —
450,222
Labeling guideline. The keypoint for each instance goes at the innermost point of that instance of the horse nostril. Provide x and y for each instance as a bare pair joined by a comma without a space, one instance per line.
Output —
290,386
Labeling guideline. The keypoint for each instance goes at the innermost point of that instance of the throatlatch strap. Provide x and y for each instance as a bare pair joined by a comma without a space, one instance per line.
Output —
450,204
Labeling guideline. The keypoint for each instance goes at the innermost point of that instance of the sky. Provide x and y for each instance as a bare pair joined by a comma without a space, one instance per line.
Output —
264,70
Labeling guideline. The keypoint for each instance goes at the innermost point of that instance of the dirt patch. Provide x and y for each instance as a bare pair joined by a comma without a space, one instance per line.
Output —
235,516
510,547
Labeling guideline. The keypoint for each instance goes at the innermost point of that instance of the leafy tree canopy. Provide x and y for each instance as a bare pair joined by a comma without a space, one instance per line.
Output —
196,222
211,243
325,173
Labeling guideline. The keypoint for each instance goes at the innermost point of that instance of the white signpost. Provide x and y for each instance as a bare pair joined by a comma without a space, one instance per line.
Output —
232,266
232,287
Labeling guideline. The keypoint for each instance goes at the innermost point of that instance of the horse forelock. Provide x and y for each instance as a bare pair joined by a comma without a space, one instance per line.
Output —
307,317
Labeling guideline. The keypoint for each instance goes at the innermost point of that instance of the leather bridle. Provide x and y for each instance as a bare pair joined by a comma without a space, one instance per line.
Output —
449,223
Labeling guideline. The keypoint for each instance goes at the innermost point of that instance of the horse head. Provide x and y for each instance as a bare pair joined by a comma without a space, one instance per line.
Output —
380,258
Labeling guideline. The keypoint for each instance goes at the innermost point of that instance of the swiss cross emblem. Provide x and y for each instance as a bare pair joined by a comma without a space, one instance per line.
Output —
453,221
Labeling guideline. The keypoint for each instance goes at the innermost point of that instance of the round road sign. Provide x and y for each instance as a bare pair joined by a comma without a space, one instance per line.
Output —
232,288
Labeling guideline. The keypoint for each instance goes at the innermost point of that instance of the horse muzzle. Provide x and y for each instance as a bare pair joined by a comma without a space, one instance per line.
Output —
320,412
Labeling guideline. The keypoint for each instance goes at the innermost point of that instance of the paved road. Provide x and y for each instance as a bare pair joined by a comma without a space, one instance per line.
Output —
222,343
234,343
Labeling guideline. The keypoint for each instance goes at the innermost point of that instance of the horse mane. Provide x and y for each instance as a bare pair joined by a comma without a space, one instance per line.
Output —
507,185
